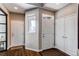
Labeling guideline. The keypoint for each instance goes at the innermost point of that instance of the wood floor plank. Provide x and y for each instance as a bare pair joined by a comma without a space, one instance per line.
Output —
23,52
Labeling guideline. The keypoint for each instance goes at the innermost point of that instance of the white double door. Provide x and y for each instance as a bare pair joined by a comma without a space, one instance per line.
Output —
47,32
65,34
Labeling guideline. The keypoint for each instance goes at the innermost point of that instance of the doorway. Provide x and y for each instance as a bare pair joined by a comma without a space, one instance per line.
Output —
47,31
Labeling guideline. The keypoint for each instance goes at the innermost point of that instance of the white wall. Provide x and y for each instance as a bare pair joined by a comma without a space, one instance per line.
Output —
32,39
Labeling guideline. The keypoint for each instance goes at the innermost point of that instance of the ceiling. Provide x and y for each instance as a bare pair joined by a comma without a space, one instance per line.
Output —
21,7
55,6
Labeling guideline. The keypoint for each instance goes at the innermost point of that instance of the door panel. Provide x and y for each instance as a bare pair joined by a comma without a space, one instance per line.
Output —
17,29
65,34
70,41
60,34
47,32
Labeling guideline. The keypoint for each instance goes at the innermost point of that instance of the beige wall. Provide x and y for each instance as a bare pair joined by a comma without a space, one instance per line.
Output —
8,20
16,17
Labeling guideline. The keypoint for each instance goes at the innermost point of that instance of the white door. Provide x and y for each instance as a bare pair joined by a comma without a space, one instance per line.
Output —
70,41
17,33
60,34
47,32
65,34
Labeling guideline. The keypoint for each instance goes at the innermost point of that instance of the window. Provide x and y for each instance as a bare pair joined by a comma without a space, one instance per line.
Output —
2,19
2,31
32,23
2,28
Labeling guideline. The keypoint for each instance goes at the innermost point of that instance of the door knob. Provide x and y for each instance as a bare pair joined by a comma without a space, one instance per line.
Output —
64,36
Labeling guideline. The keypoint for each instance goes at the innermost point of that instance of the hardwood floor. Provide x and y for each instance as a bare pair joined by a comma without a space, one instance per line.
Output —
53,52
22,52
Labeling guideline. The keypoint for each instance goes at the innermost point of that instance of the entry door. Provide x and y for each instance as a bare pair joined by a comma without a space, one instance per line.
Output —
47,32
60,34
17,33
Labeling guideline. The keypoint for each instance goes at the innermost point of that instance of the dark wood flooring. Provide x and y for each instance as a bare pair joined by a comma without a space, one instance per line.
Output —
53,52
22,52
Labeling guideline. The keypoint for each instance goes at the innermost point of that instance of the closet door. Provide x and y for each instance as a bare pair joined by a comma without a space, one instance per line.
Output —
47,32
60,33
70,41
